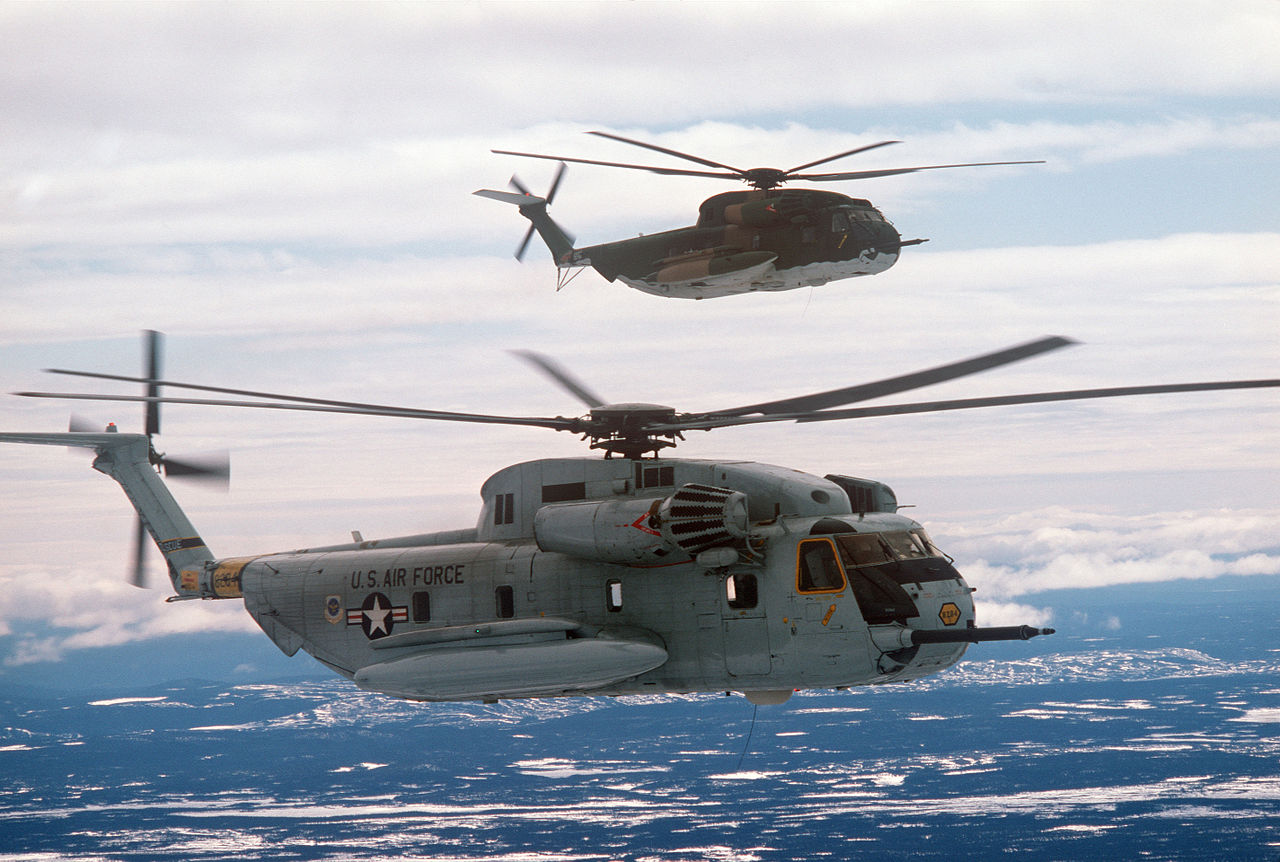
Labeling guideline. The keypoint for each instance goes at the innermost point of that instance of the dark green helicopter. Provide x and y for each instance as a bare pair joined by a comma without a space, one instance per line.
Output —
763,239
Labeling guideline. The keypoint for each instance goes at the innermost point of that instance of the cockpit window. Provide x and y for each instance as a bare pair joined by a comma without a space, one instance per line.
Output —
870,549
925,542
904,545
840,223
818,571
863,549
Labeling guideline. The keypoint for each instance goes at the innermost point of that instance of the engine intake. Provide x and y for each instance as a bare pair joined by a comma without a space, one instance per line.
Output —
697,517
630,531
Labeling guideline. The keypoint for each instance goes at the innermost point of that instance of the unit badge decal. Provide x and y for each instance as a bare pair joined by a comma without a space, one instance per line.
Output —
377,616
333,609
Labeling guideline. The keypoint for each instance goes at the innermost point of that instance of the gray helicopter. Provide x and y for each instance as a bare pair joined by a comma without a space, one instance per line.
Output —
627,574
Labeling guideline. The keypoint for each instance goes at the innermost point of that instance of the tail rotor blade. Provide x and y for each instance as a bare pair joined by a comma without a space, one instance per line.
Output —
213,469
555,182
138,574
80,424
524,244
152,352
515,183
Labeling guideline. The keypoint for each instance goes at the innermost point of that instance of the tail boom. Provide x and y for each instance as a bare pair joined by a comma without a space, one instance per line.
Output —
534,208
127,459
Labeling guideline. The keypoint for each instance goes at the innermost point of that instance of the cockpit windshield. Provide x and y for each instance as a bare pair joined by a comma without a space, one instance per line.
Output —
869,549
930,548
905,546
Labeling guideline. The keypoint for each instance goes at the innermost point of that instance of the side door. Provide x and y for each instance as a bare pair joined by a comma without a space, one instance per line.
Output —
746,626
822,606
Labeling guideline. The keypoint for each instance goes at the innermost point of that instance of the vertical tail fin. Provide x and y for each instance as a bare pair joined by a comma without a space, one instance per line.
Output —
534,208
127,459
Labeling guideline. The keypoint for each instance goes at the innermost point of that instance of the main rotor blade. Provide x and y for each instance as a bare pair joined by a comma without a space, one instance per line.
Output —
1038,398
557,372
902,383
841,156
673,172
221,390
657,149
317,405
701,424
866,175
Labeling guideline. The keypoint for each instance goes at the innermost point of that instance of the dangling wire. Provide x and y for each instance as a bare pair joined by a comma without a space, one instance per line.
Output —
750,730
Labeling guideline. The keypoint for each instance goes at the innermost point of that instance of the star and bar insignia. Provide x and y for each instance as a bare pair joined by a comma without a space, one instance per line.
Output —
377,616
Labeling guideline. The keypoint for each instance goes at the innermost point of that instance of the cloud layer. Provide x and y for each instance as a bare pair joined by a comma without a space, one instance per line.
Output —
1056,548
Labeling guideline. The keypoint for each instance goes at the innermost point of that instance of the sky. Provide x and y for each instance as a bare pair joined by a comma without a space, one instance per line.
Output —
285,191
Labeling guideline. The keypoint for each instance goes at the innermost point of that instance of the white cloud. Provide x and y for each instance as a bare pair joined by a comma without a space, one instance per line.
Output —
90,610
273,71
1050,549
995,613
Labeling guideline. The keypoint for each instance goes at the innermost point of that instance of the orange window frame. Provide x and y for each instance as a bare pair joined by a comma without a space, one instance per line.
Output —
835,555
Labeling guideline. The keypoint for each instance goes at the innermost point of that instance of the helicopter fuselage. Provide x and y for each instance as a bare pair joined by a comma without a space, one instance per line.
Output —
597,577
749,241
764,239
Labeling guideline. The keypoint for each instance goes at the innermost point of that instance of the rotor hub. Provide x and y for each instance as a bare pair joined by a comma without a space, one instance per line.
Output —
764,178
627,429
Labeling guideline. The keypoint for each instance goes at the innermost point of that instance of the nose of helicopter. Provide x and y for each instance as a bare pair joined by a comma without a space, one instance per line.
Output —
881,236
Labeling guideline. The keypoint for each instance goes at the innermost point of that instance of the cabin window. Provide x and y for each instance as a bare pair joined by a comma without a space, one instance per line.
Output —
421,607
504,598
817,570
742,591
613,595
504,509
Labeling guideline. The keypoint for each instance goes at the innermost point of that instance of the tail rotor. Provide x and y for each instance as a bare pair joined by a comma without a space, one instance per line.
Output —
534,208
546,200
213,468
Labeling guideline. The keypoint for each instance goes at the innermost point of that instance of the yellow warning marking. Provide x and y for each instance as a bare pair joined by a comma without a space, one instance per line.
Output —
949,614
226,577
831,610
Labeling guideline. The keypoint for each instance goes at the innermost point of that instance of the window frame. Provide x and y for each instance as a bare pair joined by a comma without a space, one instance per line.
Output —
613,595
835,555
421,600
504,600
744,594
